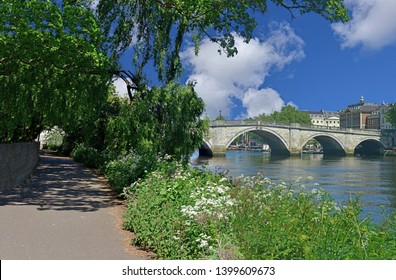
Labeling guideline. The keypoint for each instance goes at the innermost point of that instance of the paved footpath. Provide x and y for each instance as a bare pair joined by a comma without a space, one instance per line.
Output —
63,212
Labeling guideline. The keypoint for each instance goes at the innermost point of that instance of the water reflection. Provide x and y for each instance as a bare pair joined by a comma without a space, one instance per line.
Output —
373,179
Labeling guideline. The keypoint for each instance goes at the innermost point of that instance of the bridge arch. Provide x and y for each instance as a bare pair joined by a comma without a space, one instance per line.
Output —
370,147
330,144
205,149
276,142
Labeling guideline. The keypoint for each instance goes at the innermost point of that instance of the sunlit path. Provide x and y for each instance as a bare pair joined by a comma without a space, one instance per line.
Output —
63,212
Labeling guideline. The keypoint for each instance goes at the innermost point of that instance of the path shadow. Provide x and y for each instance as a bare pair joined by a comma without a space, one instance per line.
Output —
61,184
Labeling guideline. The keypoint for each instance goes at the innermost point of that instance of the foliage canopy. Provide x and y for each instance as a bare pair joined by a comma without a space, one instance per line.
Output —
162,120
52,67
56,56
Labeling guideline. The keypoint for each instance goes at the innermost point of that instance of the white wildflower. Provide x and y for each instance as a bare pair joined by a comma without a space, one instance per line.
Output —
204,243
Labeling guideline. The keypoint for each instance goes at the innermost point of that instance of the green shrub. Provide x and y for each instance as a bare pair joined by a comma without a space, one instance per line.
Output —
277,221
180,213
126,170
89,156
185,213
54,139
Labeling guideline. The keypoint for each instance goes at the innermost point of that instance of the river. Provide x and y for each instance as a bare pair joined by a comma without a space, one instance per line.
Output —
373,179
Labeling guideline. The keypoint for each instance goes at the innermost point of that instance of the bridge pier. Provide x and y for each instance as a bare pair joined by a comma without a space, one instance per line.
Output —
295,152
350,152
219,151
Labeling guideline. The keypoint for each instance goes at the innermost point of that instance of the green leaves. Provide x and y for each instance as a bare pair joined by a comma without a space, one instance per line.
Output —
187,213
53,57
286,221
391,115
163,120
52,67
178,212
332,10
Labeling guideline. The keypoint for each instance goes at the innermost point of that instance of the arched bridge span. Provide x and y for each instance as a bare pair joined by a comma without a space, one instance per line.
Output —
289,139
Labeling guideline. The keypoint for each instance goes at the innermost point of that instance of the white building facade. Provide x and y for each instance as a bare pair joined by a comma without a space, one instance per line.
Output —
324,119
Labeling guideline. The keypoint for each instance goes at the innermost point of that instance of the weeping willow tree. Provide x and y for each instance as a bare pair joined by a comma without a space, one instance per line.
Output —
53,70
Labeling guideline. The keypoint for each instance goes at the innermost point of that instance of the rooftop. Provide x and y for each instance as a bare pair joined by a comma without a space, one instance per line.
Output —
362,106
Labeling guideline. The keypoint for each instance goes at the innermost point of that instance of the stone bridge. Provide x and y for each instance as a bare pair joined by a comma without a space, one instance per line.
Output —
289,139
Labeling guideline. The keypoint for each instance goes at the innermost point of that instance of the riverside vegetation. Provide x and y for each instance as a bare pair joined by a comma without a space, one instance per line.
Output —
183,212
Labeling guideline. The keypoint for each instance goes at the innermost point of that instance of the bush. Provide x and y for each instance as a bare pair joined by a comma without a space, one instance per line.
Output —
179,213
89,156
185,213
279,221
126,170
54,139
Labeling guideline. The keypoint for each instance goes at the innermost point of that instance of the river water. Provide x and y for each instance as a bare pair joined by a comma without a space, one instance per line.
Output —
373,179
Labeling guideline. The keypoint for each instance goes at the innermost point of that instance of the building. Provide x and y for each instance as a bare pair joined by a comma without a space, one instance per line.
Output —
373,120
355,115
323,118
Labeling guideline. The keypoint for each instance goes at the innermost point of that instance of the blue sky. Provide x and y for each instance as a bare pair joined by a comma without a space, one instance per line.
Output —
306,61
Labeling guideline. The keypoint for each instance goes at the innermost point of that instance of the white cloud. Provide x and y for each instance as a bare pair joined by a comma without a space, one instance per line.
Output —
373,24
262,101
120,87
219,79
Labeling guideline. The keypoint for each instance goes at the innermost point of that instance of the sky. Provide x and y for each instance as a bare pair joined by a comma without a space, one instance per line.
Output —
304,61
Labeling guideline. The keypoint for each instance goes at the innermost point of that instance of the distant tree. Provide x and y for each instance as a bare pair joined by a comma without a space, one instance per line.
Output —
220,117
391,115
288,114
53,70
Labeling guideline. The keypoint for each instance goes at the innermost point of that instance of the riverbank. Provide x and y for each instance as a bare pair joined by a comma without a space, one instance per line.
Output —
371,178
188,213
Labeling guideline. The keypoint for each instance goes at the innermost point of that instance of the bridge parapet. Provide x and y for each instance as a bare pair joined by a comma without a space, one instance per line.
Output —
243,123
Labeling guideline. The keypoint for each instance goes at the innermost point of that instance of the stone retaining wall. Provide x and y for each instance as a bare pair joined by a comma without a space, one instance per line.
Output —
17,162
